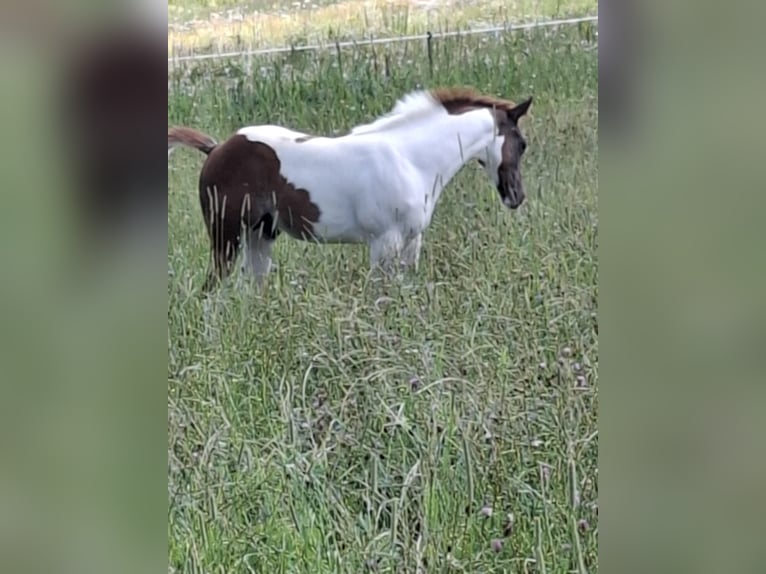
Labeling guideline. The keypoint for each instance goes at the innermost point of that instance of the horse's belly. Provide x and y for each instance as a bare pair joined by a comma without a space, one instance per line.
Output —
338,221
338,232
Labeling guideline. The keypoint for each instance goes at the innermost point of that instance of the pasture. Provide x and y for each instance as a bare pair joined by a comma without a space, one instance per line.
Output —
222,25
442,422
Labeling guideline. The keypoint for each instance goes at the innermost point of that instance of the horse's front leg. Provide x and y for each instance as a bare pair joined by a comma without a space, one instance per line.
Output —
411,252
386,251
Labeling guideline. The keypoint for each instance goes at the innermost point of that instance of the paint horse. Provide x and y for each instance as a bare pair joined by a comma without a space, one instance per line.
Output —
378,184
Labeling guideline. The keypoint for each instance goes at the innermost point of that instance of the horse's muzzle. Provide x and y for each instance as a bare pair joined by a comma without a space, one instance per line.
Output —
512,198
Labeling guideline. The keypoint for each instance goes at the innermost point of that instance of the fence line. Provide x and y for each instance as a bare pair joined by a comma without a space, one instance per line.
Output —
390,40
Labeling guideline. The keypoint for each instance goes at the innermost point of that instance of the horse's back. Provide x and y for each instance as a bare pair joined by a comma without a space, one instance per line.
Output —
270,134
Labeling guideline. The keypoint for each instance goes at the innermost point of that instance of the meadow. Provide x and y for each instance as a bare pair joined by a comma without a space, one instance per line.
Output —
442,422
204,26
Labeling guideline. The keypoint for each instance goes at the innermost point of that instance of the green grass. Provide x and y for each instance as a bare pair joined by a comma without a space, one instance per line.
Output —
338,423
204,27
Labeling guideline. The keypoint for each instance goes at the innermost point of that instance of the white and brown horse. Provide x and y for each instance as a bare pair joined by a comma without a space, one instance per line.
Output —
377,185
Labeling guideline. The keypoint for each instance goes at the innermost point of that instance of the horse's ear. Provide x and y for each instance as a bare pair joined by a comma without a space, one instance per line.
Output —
520,110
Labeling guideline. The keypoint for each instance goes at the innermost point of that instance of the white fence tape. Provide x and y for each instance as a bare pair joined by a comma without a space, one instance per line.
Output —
391,40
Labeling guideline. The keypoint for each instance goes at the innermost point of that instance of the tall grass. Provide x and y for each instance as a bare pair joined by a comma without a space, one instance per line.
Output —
338,423
202,27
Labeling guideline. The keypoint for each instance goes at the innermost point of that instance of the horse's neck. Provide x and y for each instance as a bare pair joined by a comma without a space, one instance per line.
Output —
439,148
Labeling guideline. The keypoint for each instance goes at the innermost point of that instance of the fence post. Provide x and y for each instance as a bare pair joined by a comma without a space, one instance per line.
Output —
429,39
374,55
340,60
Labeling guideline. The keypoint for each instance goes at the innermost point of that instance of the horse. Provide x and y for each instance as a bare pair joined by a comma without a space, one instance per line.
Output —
379,184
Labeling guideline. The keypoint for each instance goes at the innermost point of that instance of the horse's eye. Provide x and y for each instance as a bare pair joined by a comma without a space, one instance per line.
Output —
523,146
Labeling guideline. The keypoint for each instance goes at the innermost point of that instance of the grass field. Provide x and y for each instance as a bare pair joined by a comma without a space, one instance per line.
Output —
205,26
340,424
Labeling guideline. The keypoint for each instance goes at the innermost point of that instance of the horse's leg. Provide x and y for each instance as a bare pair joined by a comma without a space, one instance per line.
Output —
385,251
224,247
260,241
411,252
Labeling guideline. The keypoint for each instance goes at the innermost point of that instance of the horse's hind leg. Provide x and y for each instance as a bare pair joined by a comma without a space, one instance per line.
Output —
224,246
260,241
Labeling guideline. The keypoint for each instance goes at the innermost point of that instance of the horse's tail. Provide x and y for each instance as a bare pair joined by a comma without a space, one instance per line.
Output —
178,136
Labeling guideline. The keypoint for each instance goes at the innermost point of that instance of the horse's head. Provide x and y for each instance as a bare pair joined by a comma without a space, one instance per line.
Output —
502,158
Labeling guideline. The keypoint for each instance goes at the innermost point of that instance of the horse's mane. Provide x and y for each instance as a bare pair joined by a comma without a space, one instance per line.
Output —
459,99
408,107
419,103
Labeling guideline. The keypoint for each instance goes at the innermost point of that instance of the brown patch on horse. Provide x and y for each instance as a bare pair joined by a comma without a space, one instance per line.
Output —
507,114
303,139
191,138
241,185
460,100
